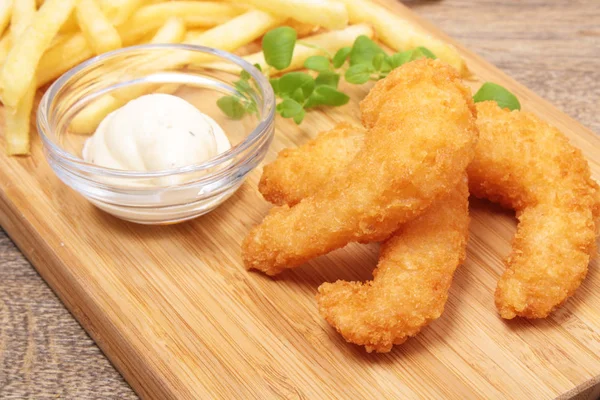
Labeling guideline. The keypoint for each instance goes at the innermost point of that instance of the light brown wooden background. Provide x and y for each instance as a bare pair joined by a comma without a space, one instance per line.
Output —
552,47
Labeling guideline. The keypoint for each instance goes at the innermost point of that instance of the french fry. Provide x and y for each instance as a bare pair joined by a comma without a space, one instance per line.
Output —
22,15
321,44
62,58
401,34
70,24
74,50
6,7
119,11
326,13
70,52
60,39
194,14
237,32
173,31
5,45
301,28
18,124
97,29
192,35
18,121
22,60
88,119
229,36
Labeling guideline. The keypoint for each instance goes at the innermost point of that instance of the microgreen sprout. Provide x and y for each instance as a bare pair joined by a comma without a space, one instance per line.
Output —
243,102
299,91
495,92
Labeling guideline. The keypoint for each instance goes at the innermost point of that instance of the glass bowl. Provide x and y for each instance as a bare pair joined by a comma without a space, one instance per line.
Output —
77,101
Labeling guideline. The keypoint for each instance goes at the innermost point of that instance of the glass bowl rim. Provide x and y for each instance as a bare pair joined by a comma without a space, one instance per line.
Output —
261,129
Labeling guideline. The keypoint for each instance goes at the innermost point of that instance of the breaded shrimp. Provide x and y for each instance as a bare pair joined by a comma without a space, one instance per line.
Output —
411,281
299,172
523,163
409,159
416,264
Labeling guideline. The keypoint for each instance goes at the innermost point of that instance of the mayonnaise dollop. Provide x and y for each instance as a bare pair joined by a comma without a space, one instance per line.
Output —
155,132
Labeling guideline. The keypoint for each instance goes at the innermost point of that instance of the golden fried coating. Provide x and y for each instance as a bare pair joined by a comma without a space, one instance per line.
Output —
523,163
300,172
411,282
416,264
289,178
409,159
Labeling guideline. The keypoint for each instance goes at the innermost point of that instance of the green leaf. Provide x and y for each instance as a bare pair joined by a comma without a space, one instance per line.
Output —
358,74
298,118
378,61
492,91
321,49
298,95
232,106
341,56
278,47
333,97
317,63
274,84
398,59
245,75
364,50
386,65
426,52
314,100
258,67
251,107
242,86
328,78
289,108
290,82
326,96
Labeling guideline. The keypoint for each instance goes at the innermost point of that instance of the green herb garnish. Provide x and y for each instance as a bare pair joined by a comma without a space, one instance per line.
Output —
243,102
299,91
328,78
426,52
318,63
359,73
495,92
232,107
278,47
364,50
341,56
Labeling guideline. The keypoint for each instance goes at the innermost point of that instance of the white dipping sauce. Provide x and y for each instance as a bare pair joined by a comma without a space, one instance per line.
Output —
155,132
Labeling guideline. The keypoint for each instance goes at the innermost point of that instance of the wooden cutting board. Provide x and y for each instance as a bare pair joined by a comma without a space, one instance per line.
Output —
175,311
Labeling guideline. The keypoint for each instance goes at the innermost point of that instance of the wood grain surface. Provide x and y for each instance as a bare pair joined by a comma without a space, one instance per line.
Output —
551,47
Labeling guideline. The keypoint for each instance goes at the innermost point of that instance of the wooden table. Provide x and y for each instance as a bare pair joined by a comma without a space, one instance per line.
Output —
551,47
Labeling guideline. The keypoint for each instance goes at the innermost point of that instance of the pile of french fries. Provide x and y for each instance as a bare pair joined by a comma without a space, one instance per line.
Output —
42,39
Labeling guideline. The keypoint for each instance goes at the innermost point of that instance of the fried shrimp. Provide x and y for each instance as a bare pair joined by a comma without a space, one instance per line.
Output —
416,264
411,281
408,160
299,172
523,163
